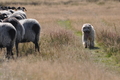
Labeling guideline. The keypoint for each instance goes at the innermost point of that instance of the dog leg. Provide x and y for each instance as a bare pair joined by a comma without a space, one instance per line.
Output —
85,44
91,44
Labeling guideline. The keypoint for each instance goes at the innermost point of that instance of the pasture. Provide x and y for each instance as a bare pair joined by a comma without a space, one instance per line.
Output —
62,56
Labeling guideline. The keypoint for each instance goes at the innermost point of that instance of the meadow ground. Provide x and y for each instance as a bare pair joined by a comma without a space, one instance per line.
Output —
62,55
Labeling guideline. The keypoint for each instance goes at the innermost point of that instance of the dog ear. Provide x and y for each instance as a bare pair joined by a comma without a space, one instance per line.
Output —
90,26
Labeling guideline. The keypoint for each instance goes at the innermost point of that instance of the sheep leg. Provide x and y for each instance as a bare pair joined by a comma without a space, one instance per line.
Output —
9,53
36,46
12,54
17,48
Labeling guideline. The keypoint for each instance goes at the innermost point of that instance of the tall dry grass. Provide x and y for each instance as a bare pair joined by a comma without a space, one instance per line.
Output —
64,68
62,55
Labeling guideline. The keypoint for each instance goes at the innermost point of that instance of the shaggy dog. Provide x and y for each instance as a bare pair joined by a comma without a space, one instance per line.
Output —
88,35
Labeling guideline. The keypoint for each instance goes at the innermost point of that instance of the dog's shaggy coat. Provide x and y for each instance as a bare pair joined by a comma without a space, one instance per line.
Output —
88,35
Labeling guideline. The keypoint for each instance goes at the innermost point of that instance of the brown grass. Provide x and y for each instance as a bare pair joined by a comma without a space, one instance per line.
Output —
62,55
66,69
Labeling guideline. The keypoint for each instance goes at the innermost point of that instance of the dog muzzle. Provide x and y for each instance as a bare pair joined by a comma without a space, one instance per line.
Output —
86,33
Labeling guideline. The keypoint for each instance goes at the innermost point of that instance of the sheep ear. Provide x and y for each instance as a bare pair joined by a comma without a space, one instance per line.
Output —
24,9
18,8
5,16
11,11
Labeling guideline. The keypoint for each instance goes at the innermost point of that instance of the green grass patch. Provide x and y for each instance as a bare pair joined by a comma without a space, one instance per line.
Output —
78,33
67,24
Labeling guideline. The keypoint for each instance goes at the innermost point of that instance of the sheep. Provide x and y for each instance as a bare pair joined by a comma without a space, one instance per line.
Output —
21,8
7,8
7,38
12,8
7,12
32,31
20,30
19,14
3,7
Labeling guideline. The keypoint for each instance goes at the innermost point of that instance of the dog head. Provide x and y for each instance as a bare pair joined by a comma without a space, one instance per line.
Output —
86,29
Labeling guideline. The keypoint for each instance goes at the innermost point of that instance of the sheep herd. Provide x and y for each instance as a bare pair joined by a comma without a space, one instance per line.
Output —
16,28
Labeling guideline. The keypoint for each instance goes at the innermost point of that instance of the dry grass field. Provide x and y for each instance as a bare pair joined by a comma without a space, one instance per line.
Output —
62,55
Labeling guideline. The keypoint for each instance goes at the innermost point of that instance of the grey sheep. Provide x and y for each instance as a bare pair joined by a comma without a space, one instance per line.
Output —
19,14
7,37
20,30
32,31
